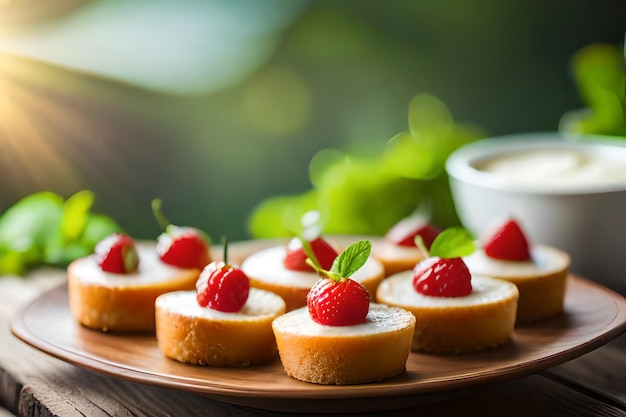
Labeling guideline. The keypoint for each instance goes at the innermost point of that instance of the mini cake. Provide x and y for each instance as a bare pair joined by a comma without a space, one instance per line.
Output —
374,350
481,320
274,269
340,337
539,271
123,301
397,250
395,258
190,333
455,312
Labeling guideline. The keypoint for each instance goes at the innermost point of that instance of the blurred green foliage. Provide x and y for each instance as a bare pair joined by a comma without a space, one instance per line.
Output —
44,229
599,72
367,194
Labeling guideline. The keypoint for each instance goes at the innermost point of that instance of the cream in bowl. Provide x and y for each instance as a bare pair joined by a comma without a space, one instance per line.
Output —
557,169
567,193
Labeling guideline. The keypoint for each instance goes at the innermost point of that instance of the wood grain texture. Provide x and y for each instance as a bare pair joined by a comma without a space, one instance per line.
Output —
602,372
18,361
102,396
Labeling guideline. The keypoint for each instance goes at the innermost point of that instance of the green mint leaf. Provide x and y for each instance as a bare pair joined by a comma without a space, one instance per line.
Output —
351,259
454,242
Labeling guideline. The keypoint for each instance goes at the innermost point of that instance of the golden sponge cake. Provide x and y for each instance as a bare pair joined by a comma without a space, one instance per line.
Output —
189,333
481,320
123,302
375,350
541,281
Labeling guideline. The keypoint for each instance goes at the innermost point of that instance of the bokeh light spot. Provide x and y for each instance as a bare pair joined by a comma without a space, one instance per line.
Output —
278,102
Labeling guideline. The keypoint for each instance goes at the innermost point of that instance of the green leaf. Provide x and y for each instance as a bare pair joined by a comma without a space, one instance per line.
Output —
453,242
409,157
428,115
351,259
97,228
75,215
599,67
31,222
44,229
601,81
279,216
61,255
12,263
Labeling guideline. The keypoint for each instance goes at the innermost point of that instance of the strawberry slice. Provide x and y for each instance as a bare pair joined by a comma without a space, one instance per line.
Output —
442,277
222,287
338,303
117,253
295,259
183,247
406,230
508,243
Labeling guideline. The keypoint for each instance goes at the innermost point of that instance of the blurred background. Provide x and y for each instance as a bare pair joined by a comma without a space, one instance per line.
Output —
218,107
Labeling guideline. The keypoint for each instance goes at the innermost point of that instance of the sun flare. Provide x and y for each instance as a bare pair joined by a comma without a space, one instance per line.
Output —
28,156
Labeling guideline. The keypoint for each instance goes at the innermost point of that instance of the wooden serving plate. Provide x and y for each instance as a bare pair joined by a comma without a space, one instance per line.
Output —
593,316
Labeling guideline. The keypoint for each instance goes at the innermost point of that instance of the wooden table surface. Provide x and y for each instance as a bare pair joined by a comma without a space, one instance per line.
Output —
35,384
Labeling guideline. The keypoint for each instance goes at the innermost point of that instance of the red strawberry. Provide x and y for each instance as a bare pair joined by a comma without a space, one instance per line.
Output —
183,247
295,259
222,287
442,277
337,300
338,303
404,232
508,243
117,253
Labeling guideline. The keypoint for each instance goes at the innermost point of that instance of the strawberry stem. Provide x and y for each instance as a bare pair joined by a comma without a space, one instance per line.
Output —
314,263
225,243
419,242
322,271
308,250
156,209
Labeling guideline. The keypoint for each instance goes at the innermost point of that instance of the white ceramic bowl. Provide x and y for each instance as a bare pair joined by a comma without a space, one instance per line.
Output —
578,213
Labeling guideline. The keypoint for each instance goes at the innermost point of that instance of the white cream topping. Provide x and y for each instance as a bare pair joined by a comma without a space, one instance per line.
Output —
380,319
556,167
260,304
267,265
399,289
151,270
544,260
